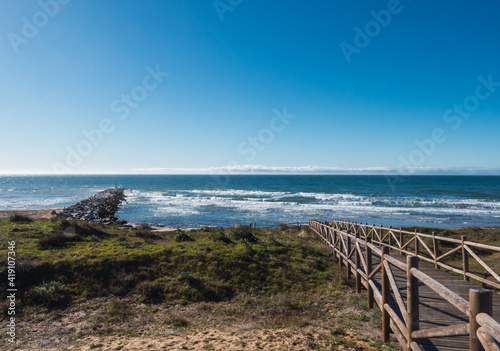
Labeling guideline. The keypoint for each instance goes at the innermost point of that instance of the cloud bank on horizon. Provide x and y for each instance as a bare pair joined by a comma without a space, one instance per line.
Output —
259,169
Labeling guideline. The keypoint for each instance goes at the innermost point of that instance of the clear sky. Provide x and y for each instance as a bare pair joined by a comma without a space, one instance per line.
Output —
101,86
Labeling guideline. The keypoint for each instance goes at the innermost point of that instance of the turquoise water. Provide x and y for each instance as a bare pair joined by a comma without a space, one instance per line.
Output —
268,200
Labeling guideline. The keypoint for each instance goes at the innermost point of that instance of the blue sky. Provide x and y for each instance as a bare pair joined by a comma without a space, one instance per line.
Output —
101,86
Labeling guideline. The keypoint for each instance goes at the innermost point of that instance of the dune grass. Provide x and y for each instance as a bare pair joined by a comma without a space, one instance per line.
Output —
207,278
212,264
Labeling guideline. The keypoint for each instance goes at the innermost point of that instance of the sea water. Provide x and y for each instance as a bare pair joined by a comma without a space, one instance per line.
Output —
269,200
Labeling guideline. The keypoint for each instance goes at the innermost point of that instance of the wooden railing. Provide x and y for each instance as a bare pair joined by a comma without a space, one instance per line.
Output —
356,246
429,248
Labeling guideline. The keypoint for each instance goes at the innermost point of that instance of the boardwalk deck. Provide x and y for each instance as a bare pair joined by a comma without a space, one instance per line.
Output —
434,310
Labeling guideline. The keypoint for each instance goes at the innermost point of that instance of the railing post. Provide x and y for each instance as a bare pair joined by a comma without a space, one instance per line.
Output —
386,319
400,240
366,233
369,269
334,241
416,243
434,245
381,235
481,301
347,255
412,303
340,250
465,258
358,260
390,230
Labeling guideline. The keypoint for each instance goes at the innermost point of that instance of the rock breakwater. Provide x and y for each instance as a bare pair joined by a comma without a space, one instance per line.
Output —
100,207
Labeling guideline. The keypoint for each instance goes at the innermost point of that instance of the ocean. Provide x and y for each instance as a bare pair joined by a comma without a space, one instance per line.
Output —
192,201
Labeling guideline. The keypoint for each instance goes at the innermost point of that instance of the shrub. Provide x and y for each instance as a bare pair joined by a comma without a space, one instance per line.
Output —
338,331
186,276
224,238
149,290
177,321
205,289
86,229
15,218
57,240
50,294
244,233
119,311
183,236
52,241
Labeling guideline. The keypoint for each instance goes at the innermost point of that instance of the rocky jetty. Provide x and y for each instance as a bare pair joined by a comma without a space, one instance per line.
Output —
100,207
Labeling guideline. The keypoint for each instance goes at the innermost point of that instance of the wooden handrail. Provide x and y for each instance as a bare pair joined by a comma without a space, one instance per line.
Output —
430,249
491,326
346,241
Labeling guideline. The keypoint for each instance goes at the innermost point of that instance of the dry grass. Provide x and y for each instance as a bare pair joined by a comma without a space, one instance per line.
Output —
330,319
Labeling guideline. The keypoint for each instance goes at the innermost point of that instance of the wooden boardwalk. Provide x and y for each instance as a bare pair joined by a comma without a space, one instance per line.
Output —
434,310
424,307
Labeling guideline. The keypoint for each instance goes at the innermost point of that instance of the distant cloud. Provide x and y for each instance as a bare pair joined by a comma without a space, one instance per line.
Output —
258,169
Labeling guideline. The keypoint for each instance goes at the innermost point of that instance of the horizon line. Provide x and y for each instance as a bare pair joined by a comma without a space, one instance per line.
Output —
270,170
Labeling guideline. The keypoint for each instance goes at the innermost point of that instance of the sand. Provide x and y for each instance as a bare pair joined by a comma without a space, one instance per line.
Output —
240,324
43,213
212,339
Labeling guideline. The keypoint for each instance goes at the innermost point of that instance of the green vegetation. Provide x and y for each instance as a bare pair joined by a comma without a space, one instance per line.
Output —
50,294
116,280
183,236
213,264
244,234
15,218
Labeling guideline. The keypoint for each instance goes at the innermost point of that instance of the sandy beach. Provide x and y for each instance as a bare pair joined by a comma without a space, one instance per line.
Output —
43,213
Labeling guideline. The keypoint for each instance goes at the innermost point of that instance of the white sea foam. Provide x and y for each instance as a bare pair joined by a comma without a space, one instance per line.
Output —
185,203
